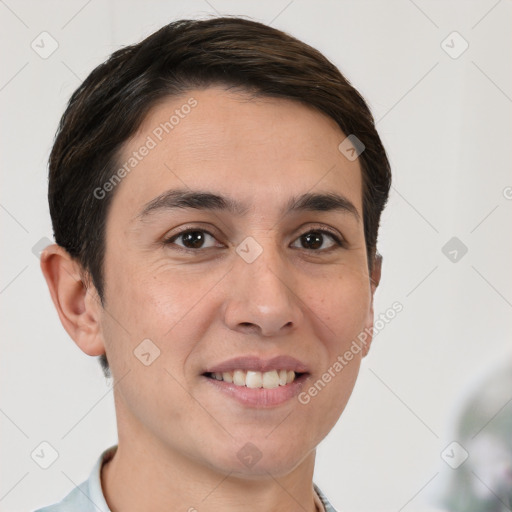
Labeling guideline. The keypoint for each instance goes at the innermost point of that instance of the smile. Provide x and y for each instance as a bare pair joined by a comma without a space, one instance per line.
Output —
254,379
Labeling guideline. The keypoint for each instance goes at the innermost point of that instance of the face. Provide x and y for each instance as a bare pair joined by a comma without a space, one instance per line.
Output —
256,292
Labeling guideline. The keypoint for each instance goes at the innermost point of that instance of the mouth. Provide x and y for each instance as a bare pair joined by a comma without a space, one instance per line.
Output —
257,382
254,379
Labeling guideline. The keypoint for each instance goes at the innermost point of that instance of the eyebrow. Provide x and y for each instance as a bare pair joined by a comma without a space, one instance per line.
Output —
204,200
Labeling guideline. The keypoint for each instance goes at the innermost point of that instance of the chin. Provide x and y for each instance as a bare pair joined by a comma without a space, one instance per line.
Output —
258,457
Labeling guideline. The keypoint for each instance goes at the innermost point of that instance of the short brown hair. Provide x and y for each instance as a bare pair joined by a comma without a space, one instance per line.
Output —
110,105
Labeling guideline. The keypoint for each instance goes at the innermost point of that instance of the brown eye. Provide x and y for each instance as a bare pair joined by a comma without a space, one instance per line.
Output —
195,239
313,240
191,239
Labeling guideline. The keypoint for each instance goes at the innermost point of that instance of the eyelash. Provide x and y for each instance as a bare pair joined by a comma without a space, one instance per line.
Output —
170,240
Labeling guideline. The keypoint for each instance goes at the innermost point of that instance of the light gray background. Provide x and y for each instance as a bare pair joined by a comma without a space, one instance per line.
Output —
446,124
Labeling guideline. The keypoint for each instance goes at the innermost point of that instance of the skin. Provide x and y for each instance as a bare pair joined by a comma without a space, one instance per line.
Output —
178,436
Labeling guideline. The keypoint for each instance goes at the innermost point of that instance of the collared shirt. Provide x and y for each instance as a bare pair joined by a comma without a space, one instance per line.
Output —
89,497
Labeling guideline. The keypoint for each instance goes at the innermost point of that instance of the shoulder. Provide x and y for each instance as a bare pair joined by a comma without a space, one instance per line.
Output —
76,500
88,496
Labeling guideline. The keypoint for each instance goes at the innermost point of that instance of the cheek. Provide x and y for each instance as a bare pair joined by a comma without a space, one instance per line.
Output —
344,310
140,298
163,305
143,314
344,305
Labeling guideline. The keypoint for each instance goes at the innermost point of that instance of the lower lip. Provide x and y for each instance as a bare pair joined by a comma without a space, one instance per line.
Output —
260,397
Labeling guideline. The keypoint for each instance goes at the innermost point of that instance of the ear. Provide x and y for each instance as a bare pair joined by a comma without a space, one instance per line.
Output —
79,307
374,282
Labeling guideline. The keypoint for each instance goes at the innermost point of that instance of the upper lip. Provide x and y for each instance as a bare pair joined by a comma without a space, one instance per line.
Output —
259,364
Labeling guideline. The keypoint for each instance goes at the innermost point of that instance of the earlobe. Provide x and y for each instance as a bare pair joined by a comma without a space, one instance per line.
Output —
77,306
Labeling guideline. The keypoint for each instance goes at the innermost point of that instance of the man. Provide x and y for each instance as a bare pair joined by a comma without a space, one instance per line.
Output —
215,193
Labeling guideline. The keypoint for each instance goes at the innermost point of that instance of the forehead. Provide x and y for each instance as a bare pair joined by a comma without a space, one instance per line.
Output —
257,149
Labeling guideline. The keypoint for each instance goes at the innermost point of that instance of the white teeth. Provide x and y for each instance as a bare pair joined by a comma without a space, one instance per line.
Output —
271,380
253,379
239,378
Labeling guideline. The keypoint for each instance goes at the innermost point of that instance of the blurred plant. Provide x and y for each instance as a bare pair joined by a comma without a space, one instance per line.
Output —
484,427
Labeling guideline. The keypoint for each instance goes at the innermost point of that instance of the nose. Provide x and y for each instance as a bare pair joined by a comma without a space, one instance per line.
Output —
261,297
